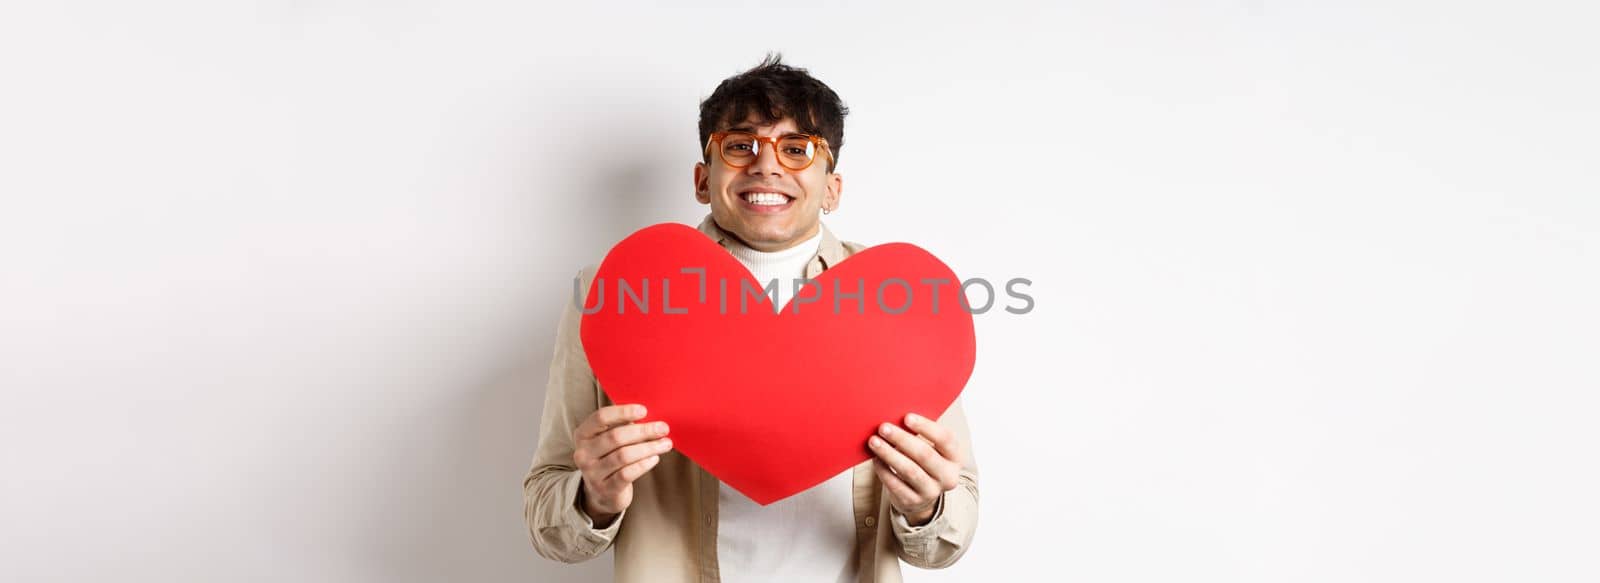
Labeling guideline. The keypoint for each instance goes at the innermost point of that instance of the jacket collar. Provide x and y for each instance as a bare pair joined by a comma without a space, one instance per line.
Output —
830,250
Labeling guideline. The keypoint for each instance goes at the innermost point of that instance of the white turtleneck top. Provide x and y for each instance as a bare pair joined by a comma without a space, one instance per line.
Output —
809,536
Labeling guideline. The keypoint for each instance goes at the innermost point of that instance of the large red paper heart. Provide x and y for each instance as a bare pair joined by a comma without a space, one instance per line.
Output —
773,404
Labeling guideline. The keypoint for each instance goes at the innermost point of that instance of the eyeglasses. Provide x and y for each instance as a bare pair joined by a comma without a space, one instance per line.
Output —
794,151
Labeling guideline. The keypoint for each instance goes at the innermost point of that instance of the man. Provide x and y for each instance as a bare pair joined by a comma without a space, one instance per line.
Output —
771,138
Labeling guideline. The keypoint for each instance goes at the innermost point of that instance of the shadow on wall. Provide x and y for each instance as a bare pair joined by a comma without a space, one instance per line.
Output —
460,516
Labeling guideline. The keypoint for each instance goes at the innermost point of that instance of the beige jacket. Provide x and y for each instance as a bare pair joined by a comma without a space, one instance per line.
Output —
669,534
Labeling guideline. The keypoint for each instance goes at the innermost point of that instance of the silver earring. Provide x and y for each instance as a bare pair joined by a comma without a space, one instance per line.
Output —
826,210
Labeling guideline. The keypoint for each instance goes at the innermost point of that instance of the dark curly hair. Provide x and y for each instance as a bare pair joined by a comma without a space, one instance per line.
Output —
774,91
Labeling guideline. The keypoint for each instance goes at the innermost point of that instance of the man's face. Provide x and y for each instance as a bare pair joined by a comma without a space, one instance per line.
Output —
767,227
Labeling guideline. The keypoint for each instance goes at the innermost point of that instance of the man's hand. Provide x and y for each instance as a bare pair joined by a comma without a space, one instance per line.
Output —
916,467
611,452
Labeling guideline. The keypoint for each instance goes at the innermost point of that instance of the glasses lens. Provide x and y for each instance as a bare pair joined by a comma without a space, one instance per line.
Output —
796,151
739,148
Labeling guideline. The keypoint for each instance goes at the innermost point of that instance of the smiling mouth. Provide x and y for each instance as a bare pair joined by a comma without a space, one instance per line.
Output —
765,202
766,199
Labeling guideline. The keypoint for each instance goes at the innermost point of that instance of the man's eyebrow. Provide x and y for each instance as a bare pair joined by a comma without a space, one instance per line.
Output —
746,128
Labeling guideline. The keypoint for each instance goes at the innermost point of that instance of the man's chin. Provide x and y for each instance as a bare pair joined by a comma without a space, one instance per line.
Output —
767,239
764,239
758,233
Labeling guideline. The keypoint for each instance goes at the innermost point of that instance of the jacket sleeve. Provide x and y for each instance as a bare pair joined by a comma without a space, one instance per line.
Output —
940,542
559,530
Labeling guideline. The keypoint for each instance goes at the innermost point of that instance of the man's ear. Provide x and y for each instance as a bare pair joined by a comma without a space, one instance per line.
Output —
702,183
835,187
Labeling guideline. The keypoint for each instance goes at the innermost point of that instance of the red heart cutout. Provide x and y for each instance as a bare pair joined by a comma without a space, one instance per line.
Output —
773,404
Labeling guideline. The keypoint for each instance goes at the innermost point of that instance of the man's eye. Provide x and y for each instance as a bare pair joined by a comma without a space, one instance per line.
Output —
739,147
795,150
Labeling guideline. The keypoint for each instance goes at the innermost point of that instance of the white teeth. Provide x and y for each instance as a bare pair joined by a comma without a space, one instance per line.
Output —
765,198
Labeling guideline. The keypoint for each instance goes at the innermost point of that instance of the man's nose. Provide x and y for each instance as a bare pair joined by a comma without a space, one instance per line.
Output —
766,160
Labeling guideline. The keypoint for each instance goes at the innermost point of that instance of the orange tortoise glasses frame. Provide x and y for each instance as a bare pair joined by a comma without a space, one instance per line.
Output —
793,151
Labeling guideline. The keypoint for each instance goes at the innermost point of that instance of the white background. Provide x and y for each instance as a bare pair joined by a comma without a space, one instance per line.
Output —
1315,281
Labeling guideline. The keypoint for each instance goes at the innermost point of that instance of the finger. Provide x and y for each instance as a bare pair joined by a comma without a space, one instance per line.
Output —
916,448
908,471
605,418
622,436
897,487
628,473
940,436
623,456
